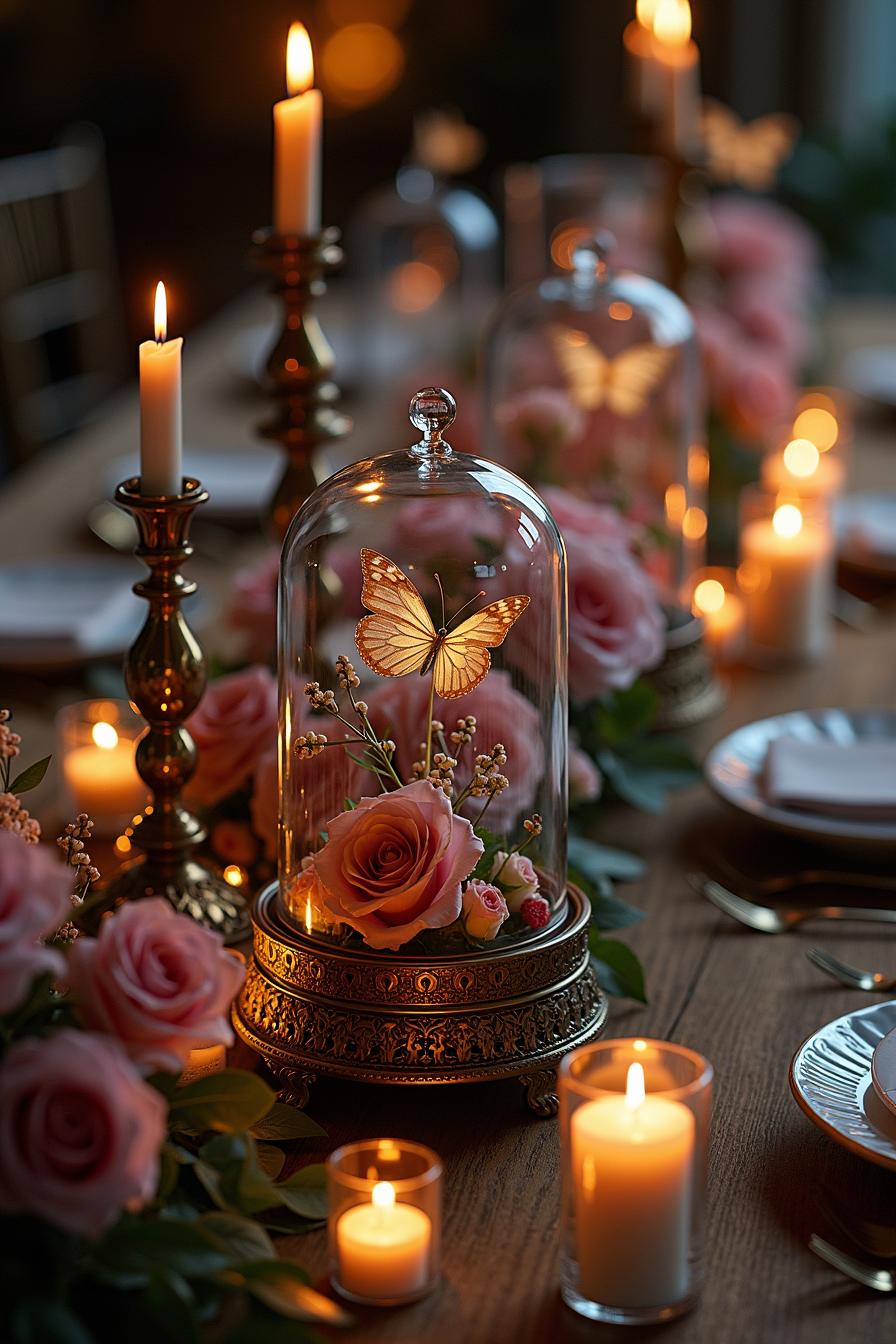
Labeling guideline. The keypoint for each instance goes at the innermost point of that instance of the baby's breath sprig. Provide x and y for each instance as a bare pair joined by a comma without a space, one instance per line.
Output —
379,751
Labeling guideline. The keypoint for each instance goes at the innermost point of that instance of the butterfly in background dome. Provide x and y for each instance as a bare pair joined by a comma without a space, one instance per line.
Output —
622,383
399,637
748,153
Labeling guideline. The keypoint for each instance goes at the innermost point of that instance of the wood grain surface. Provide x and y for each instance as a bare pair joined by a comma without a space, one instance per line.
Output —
744,999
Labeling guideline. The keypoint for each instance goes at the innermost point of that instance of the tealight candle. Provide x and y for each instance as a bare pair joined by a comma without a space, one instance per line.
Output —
716,600
97,744
384,1220
202,1061
801,468
634,1150
785,575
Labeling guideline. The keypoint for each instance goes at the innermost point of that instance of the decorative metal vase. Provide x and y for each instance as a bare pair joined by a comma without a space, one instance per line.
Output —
310,1008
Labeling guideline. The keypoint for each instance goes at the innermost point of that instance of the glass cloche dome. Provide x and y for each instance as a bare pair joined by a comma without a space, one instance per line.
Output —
592,383
423,586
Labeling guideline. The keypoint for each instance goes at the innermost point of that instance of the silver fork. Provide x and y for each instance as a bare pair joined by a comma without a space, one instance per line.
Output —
766,920
851,976
881,1280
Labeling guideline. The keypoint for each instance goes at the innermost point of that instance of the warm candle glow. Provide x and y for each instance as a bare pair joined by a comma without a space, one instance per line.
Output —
787,520
383,1195
672,22
161,313
709,596
299,60
645,13
801,457
105,736
634,1087
309,917
817,425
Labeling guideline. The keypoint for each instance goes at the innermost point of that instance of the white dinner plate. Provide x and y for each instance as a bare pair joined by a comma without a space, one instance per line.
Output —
733,769
830,1076
66,612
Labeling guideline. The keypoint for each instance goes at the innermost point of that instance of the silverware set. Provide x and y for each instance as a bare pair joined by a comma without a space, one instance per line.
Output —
784,918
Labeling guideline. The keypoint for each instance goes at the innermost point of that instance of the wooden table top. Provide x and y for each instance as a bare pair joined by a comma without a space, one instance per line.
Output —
743,999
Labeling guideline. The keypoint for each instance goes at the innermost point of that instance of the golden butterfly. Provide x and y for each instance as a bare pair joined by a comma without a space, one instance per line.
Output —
399,637
749,153
622,384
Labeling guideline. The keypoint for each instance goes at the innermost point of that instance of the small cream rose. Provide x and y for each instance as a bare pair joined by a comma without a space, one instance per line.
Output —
484,909
516,877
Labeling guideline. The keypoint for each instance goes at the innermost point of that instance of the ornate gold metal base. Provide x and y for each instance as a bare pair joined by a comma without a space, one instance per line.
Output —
309,1007
192,888
685,681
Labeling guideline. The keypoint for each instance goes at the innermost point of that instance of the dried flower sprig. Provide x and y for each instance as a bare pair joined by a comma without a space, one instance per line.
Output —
533,828
378,752
72,844
10,744
15,817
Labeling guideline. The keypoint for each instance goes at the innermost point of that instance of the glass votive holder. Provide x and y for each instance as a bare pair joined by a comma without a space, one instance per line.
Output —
634,1126
715,597
97,740
384,1223
786,575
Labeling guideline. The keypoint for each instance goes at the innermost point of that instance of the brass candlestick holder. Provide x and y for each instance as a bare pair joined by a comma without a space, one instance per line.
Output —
300,364
165,676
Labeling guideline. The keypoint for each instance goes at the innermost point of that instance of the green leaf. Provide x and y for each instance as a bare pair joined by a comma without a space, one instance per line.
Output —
168,1307
168,1172
138,1247
283,1123
627,714
230,1101
270,1159
661,754
40,1321
306,1191
30,778
242,1238
281,1286
242,1185
609,911
597,861
641,788
618,969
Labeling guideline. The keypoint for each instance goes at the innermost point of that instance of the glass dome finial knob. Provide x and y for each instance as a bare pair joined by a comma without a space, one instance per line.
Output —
432,411
590,257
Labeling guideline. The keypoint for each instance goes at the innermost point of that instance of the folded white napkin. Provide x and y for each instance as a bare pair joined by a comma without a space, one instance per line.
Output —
843,780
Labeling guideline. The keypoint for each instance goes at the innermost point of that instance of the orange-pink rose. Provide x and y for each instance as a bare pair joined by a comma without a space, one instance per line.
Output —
157,981
80,1131
233,727
34,901
394,865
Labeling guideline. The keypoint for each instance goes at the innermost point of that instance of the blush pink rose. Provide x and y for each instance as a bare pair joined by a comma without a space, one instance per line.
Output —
585,780
253,606
484,910
398,710
767,318
536,425
516,876
577,517
35,895
761,391
233,727
80,1132
760,236
447,529
157,981
616,624
394,865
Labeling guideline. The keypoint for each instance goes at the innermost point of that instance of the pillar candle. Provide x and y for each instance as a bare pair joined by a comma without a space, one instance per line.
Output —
678,78
633,1174
723,615
642,77
101,779
801,469
160,408
202,1061
384,1248
785,575
297,142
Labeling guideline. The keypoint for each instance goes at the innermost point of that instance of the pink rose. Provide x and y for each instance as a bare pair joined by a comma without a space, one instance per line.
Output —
484,910
234,725
535,425
447,532
398,710
616,625
585,780
516,876
253,606
157,981
394,865
761,391
264,805
767,318
757,235
35,894
80,1132
577,517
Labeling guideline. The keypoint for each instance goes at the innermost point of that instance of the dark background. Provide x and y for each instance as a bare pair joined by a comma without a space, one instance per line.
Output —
183,95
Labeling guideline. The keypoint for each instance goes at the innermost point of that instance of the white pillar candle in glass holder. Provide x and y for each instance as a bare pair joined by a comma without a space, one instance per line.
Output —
716,599
97,744
801,468
786,576
634,1171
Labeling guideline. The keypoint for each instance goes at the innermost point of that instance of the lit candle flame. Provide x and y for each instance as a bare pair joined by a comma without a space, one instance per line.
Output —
787,520
161,313
634,1086
104,735
672,23
709,596
309,917
801,457
645,12
299,60
819,426
383,1195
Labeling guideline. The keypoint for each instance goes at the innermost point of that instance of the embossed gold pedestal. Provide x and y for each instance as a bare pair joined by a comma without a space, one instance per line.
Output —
310,1007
